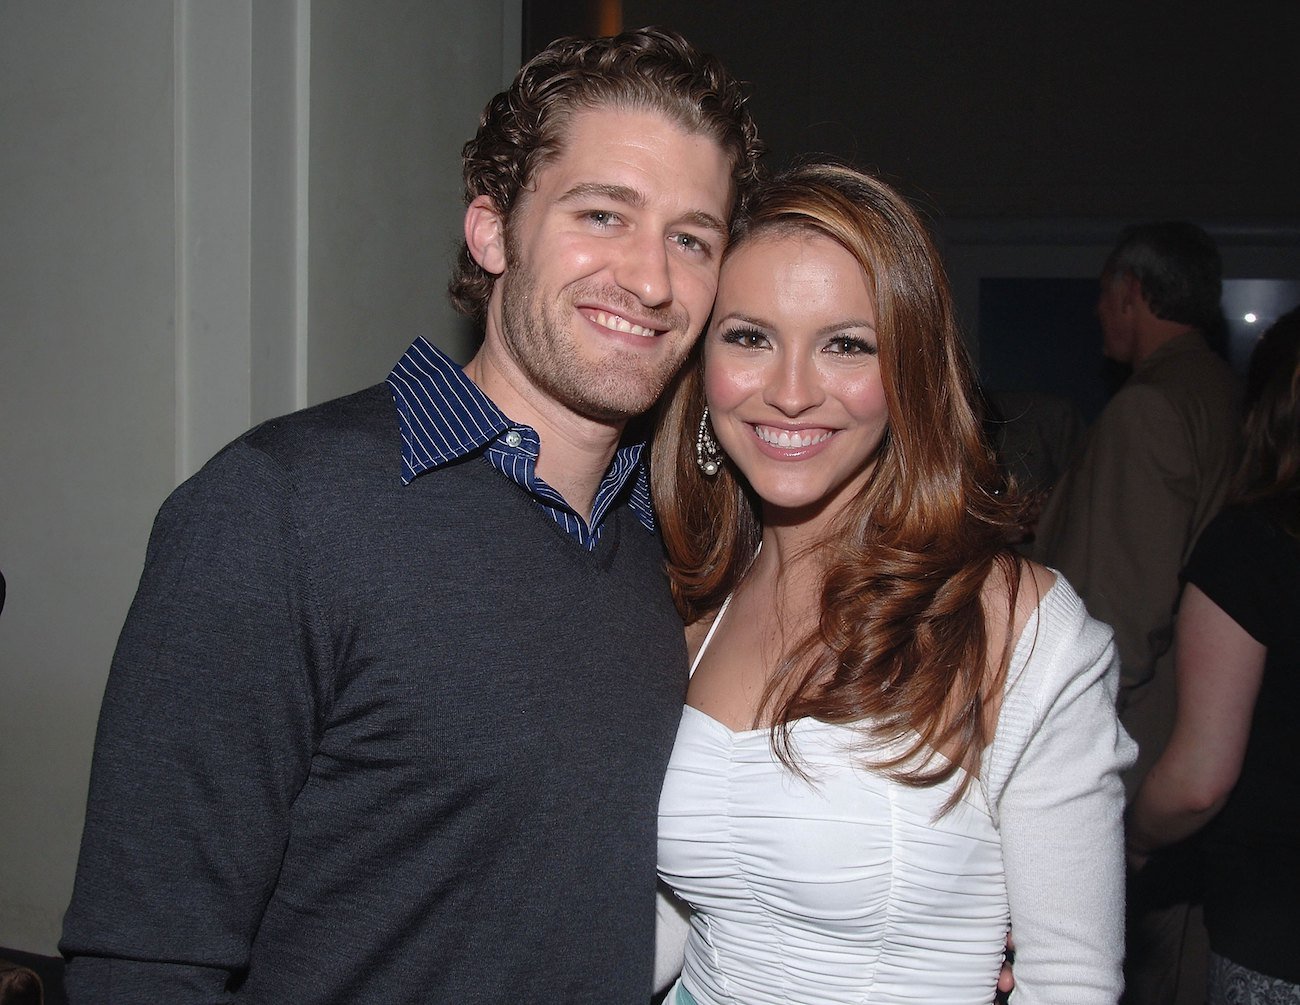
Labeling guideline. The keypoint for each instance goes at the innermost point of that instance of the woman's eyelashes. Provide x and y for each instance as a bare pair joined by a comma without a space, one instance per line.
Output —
748,337
849,345
745,337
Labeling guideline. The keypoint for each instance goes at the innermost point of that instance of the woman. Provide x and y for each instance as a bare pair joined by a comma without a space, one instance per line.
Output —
1233,759
899,738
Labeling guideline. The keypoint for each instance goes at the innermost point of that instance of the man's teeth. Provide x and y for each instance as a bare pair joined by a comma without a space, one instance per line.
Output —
622,325
785,439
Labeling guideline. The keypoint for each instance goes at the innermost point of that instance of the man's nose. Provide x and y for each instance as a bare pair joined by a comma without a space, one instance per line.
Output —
645,272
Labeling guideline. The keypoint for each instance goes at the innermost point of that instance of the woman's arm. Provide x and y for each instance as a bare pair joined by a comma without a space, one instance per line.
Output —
672,926
1219,669
1055,775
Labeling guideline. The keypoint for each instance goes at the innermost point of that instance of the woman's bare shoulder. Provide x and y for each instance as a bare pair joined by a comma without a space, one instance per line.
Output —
1033,583
1004,626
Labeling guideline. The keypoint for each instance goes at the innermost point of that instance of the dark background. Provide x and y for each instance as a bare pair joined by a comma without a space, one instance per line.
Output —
1027,133
1013,108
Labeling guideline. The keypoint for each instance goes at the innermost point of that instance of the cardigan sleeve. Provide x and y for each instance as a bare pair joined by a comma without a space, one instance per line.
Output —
1053,779
205,737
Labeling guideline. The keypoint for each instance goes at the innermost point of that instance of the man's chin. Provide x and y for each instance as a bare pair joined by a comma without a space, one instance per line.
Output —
614,413
620,395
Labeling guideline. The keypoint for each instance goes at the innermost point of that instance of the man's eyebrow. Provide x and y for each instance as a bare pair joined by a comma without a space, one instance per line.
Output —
629,196
708,221
625,194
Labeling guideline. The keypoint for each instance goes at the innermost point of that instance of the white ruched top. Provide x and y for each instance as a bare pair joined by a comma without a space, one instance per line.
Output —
849,887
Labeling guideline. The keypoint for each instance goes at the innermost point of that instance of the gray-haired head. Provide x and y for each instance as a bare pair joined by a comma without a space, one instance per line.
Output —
1178,268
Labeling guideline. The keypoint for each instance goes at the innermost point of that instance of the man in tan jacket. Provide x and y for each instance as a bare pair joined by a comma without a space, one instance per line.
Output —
1154,469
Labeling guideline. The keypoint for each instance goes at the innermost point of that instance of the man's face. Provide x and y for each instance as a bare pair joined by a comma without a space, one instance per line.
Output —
612,262
1117,337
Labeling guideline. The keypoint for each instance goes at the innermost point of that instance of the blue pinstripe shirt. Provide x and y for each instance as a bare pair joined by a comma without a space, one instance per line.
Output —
444,416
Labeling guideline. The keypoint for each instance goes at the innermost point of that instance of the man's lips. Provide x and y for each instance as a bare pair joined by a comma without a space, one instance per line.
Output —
618,323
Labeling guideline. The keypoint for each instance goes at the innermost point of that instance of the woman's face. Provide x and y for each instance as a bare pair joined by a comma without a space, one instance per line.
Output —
791,372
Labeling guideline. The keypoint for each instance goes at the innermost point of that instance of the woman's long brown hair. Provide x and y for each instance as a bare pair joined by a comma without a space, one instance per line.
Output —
1269,474
901,647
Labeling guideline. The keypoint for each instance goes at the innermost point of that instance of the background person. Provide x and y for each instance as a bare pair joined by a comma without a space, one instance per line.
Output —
899,736
1121,523
1156,464
1232,765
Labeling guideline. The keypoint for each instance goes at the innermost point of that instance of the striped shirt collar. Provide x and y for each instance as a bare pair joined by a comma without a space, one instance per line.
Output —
444,416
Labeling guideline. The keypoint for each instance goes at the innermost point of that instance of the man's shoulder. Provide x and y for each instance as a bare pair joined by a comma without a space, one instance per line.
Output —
1188,370
369,410
314,445
349,429
1178,387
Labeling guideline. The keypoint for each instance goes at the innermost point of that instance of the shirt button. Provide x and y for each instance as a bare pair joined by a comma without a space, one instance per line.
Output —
513,439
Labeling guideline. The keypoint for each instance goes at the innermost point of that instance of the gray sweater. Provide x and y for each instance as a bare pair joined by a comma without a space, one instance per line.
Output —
366,742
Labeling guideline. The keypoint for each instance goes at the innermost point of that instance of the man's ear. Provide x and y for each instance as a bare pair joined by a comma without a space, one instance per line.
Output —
485,235
1132,291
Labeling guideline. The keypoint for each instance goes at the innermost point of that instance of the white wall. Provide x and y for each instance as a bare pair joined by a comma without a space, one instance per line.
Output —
210,213
385,195
87,401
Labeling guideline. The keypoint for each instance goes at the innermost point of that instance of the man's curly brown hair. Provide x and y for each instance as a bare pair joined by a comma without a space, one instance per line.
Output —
523,127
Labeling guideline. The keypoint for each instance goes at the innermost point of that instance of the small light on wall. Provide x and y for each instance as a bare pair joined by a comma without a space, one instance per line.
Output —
1250,317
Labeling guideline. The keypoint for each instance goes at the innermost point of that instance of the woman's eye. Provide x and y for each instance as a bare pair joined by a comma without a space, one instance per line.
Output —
747,338
852,347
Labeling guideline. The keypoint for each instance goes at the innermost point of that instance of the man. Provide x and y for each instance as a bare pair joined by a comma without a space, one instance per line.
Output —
390,713
1153,471
1156,464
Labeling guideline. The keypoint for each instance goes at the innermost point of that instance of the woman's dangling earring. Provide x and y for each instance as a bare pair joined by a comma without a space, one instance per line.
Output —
708,454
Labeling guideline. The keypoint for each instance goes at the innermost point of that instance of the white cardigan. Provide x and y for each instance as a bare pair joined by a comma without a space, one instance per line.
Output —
1052,781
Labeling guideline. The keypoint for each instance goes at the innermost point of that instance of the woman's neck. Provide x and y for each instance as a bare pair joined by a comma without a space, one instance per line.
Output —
792,540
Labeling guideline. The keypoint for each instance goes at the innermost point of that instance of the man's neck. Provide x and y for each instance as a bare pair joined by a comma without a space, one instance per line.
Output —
575,450
1156,334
